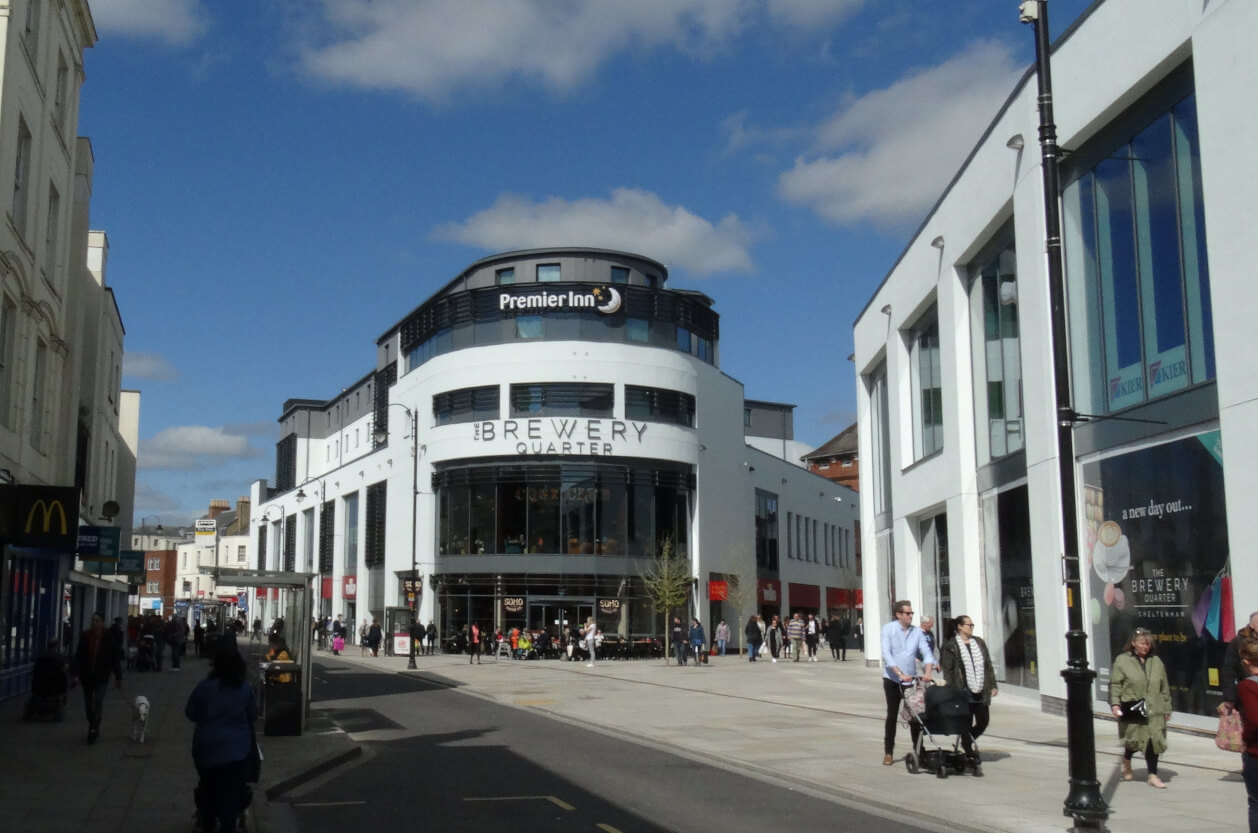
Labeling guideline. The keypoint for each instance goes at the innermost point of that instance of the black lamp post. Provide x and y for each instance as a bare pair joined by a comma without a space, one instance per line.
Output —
1084,803
381,435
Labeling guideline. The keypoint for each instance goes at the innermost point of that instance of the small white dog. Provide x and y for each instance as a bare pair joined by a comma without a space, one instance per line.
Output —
139,718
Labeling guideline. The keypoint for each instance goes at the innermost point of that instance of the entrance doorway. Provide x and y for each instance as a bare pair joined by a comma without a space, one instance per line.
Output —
557,617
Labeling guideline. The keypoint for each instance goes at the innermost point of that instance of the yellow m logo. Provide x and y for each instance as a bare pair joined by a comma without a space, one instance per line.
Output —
48,508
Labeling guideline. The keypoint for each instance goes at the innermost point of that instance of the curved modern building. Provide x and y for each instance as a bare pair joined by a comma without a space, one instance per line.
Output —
531,437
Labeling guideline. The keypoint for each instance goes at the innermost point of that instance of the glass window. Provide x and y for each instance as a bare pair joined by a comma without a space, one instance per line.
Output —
465,405
351,533
683,339
8,331
659,405
997,356
620,274
561,399
766,530
637,329
530,326
1137,267
547,272
505,277
927,388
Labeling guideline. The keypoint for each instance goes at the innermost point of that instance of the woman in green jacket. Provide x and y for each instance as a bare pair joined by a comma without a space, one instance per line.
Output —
967,666
1139,675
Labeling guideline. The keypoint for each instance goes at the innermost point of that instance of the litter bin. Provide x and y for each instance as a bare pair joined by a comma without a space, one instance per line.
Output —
281,699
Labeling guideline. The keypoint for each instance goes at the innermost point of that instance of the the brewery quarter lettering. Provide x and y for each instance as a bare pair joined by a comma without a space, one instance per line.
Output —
595,437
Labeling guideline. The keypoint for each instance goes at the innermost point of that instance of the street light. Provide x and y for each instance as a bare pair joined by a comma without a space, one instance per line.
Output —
1084,803
382,435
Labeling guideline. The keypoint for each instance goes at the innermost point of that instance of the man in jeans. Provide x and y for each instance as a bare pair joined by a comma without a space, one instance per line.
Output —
795,633
902,644
681,640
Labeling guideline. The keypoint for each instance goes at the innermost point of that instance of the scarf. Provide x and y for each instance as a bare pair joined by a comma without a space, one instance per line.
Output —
973,665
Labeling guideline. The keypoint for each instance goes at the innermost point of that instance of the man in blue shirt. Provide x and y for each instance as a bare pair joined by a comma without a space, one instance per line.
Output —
902,644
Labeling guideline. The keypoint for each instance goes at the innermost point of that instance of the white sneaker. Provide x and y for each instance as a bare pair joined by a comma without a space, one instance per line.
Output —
589,665
775,659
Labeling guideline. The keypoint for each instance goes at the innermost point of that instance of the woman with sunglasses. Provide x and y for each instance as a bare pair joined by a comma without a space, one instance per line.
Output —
1140,698
967,666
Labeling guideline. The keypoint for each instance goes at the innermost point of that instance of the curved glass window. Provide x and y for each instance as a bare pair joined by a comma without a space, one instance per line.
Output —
659,405
577,509
562,399
511,312
465,405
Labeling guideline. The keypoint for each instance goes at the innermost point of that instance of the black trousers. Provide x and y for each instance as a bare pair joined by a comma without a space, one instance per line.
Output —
221,796
980,716
94,701
894,692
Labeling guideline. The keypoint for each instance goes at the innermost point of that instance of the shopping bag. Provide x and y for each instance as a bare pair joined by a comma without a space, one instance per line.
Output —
338,643
1228,738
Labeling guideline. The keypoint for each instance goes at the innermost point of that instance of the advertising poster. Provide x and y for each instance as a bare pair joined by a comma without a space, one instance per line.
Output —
1157,557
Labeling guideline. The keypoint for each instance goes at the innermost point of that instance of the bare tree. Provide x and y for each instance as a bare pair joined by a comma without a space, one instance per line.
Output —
740,595
667,581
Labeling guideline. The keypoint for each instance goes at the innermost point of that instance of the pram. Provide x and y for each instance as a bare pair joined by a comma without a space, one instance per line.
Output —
937,711
146,654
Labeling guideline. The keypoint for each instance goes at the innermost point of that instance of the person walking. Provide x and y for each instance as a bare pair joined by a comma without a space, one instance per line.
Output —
363,631
374,637
754,638
96,658
431,636
838,639
473,643
928,632
774,635
1247,698
680,642
590,634
1232,671
198,637
1140,698
256,636
795,633
902,645
697,640
967,666
224,708
177,638
811,636
338,635
722,637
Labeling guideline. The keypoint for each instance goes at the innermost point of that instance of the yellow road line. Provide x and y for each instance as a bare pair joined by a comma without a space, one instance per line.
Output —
606,827
552,799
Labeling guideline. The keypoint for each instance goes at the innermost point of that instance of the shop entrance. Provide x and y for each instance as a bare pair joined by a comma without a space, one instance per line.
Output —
557,617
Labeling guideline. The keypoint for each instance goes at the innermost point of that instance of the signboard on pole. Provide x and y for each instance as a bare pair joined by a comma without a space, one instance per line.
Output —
206,528
131,562
99,542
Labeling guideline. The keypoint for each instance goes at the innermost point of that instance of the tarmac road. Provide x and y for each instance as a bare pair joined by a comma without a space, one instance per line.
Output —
436,758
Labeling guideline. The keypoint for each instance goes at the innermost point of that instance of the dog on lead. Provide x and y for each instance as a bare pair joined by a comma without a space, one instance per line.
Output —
139,718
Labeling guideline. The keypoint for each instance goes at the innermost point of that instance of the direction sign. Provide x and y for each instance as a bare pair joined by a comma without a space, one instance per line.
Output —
131,561
99,542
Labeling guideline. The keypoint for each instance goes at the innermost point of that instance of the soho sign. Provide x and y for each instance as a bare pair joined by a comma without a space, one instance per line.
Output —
605,299
596,437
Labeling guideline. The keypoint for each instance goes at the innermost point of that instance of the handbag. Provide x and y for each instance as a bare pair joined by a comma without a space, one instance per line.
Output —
1228,738
1134,711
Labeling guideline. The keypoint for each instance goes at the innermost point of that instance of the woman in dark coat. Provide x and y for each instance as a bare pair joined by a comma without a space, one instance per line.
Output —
967,666
224,708
754,638
374,637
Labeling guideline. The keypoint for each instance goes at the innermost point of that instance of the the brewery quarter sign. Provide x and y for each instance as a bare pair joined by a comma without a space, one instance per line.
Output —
595,437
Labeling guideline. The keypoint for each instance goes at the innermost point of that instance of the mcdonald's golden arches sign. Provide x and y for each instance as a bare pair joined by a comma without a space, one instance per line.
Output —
40,516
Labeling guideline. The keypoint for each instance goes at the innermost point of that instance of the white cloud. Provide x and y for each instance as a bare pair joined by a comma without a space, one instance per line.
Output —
807,14
892,152
191,447
436,48
173,21
631,220
148,366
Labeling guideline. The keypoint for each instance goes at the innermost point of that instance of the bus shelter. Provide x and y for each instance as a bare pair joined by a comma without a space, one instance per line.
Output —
296,605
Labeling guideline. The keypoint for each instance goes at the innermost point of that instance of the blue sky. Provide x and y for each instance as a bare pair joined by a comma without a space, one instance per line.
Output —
282,181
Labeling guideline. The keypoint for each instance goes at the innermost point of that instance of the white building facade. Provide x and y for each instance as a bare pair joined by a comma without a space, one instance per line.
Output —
961,496
531,436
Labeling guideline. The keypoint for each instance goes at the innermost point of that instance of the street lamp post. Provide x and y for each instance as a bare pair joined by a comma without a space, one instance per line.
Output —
1084,802
381,435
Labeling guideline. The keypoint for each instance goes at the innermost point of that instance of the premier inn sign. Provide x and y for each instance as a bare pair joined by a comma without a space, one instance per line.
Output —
40,516
604,299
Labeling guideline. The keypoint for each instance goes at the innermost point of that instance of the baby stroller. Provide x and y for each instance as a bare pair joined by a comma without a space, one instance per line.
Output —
937,711
146,653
